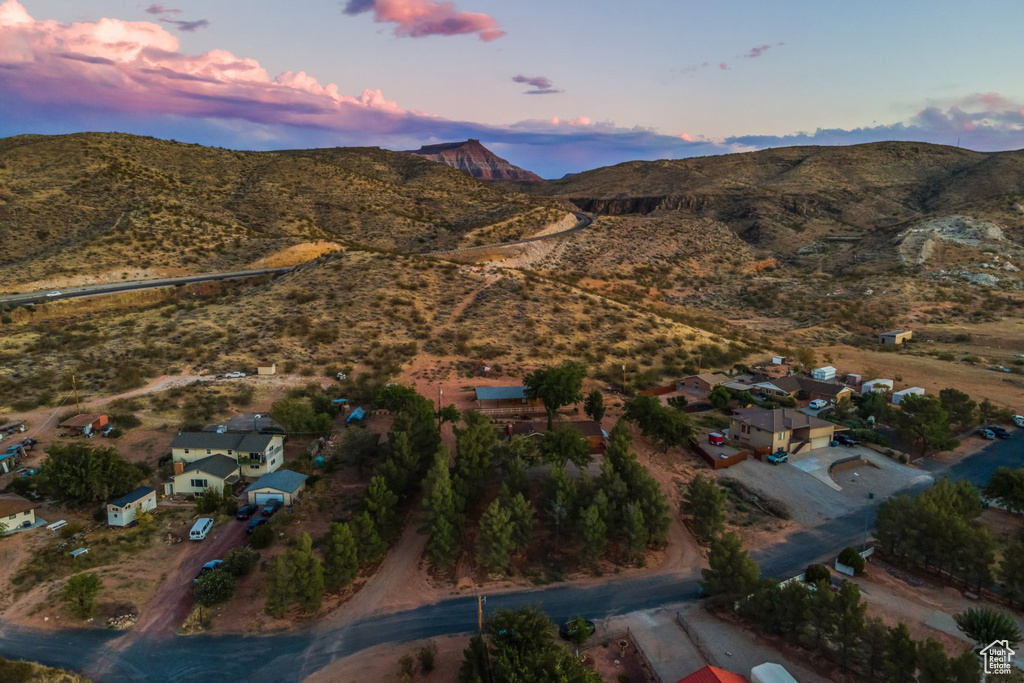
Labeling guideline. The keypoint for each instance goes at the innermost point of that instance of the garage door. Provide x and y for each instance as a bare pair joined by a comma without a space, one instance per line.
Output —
262,498
819,442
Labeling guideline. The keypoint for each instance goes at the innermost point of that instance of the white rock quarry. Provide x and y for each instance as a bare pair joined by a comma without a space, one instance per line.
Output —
917,244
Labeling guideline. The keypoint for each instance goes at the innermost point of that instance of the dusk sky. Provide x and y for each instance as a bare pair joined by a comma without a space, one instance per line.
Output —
555,87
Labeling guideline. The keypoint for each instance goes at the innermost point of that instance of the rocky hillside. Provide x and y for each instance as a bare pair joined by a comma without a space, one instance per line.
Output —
113,204
475,160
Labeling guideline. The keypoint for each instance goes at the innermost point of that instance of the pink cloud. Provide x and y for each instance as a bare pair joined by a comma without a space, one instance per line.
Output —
685,136
419,18
757,51
723,66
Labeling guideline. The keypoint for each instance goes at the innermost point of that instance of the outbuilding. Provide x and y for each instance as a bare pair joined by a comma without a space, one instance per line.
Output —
85,423
898,396
876,385
283,485
266,369
824,374
895,338
122,511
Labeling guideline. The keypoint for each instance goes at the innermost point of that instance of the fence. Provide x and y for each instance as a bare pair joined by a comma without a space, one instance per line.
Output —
513,410
643,656
694,638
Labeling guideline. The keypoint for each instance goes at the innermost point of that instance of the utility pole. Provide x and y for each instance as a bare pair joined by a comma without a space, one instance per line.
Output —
74,386
623,379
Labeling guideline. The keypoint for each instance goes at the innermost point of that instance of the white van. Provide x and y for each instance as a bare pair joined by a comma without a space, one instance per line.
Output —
201,528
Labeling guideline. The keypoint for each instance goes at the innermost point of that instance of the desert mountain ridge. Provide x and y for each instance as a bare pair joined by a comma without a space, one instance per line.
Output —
473,159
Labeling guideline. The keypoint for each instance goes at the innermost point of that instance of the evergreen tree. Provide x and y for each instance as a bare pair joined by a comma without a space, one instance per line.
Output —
341,557
565,443
516,475
442,516
558,485
280,587
985,625
593,535
497,539
382,505
922,420
875,645
900,656
664,426
961,409
1006,487
593,405
475,667
214,588
634,529
731,573
820,613
704,501
474,450
794,599
647,493
368,541
932,663
965,668
765,606
307,573
522,517
360,446
849,614
1011,572
401,465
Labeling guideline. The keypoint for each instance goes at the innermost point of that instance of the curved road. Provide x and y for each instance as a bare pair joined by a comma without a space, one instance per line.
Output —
94,290
583,222
294,655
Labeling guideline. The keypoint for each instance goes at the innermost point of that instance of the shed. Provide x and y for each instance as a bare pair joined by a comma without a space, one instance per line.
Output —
283,485
16,512
85,423
824,373
770,672
895,338
266,369
898,396
778,360
854,379
876,385
122,511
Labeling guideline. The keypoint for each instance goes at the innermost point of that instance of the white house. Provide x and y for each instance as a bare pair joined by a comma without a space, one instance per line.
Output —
122,511
16,512
283,485
876,385
256,454
898,396
214,471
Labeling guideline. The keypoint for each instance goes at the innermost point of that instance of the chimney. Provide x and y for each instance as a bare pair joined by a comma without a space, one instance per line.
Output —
179,467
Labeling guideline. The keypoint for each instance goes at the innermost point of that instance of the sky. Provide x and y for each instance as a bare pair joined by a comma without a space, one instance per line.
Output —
554,87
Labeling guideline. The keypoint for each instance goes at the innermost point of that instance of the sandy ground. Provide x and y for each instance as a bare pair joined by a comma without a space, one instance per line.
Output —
380,663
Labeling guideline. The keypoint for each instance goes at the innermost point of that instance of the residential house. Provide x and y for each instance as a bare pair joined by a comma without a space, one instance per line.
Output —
85,423
787,429
16,512
777,387
283,485
704,382
793,385
712,674
895,338
592,431
256,454
211,472
122,511
504,398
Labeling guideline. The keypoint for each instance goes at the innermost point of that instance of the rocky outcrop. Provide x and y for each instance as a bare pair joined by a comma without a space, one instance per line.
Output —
474,159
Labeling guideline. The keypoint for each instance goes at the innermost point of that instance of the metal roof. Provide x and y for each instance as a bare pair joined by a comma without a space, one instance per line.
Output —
79,421
129,498
247,443
500,393
282,480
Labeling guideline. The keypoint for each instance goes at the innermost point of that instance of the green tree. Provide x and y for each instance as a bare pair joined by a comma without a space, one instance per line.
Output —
849,614
593,535
704,502
368,541
361,446
875,644
665,427
239,561
261,537
80,593
523,649
816,573
677,402
497,538
341,557
450,413
78,474
720,397
874,404
731,573
961,409
214,588
556,386
209,501
565,443
805,356
851,558
985,625
382,505
280,586
922,420
414,415
442,515
1006,487
307,573
475,662
579,632
821,614
986,411
965,668
1011,572
521,515
474,450
298,417
399,468
593,405
794,603
932,663
900,656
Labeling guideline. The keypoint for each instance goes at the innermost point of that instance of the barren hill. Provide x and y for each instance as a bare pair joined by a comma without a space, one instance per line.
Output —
474,159
104,202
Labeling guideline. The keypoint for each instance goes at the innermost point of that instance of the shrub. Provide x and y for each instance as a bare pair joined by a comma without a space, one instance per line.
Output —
240,561
851,558
816,573
209,501
262,536
426,657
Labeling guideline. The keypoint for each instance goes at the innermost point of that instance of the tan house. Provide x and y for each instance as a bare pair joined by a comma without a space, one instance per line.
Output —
787,429
256,454
779,387
122,511
591,431
16,512
284,485
895,338
704,382
211,472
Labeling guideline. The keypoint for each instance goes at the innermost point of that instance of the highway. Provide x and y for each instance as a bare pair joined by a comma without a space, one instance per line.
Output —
292,656
95,290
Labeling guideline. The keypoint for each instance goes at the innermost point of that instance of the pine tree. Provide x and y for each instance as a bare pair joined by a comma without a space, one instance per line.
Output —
731,573
820,614
593,405
793,605
875,644
496,538
442,517
965,669
341,557
849,614
280,587
382,505
307,573
634,529
985,625
593,535
704,500
369,543
474,450
521,511
400,467
900,656
1011,572
932,663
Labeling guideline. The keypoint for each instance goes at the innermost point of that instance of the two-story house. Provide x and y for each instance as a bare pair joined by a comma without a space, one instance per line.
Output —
787,429
212,460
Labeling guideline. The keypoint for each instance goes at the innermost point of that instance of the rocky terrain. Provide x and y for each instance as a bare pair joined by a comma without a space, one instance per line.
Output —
475,160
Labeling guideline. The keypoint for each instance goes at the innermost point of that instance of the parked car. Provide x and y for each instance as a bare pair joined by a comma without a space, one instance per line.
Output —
818,404
1001,432
986,433
566,629
247,511
106,430
1019,421
847,440
208,567
778,457
253,523
271,507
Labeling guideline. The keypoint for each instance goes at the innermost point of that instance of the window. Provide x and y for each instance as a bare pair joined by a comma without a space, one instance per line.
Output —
186,451
13,516
208,451
199,483
229,451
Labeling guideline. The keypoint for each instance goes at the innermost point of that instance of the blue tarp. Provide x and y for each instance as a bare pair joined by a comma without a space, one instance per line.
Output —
357,414
340,400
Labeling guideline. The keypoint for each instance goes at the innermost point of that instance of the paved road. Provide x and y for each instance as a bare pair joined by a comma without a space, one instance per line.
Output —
93,290
292,656
583,219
